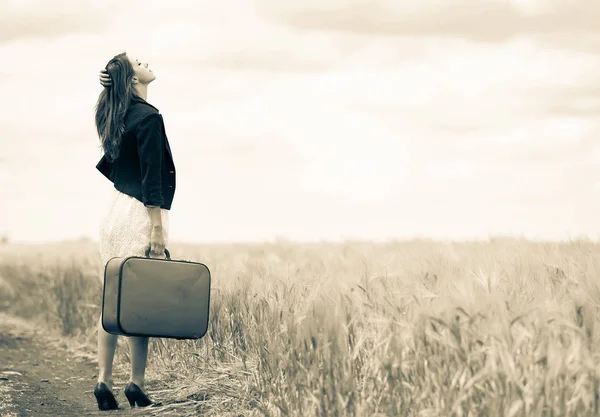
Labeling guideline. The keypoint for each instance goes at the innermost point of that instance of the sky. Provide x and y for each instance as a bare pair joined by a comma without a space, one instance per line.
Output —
314,119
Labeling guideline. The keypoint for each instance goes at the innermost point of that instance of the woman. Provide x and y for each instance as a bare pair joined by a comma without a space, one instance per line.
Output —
138,161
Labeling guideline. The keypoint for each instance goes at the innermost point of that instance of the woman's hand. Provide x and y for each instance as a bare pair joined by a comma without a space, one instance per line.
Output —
157,241
105,78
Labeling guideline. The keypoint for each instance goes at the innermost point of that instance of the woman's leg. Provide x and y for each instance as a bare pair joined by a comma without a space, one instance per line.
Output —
138,349
107,343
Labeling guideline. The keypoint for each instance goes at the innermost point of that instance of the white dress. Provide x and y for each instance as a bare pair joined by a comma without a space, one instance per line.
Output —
126,227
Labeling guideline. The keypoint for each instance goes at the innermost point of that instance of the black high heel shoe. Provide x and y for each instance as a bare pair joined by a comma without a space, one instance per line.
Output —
135,395
105,398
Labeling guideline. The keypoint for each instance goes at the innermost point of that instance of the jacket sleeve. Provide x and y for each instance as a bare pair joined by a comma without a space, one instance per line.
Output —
106,168
150,143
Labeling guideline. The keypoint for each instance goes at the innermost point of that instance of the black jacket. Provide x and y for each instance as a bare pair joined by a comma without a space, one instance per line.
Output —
144,168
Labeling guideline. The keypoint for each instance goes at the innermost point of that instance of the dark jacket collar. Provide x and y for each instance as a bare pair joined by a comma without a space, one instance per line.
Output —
141,100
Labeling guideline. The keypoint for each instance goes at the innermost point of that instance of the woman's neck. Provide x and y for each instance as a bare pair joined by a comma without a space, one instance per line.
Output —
141,90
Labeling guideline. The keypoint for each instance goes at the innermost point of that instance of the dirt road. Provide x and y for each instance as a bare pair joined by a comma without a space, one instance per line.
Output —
41,376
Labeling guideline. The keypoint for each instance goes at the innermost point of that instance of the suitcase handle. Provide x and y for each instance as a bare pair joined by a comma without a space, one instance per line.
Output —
166,253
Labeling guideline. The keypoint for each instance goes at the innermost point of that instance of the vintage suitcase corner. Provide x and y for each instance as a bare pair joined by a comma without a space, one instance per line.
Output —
110,304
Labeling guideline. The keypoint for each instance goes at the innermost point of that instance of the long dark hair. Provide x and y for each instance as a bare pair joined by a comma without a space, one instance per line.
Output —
113,104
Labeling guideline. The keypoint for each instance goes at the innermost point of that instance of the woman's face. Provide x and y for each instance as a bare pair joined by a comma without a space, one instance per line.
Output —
141,71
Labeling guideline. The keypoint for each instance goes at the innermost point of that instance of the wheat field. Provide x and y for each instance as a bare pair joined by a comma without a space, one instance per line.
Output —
504,327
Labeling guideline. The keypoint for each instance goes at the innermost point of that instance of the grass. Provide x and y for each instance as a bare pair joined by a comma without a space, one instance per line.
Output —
499,328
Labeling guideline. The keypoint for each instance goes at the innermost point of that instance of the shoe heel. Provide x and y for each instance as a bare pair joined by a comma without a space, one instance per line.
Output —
136,396
105,398
130,397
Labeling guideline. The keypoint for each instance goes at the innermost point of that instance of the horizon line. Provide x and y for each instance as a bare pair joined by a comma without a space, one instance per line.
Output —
347,240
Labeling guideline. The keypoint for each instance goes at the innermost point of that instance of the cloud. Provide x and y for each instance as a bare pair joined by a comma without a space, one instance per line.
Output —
263,59
580,101
483,20
206,35
583,43
276,50
44,19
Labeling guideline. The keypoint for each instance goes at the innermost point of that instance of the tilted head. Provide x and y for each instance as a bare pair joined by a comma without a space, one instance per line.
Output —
127,76
125,71
142,74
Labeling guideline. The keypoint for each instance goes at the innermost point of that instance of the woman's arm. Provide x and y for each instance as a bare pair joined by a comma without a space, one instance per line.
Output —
151,146
157,237
155,217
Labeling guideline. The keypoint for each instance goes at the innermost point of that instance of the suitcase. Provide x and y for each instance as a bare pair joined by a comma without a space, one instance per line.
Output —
156,297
